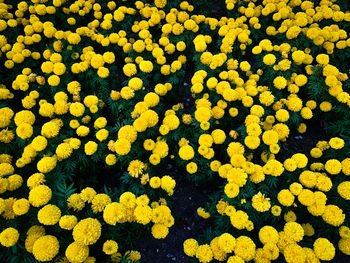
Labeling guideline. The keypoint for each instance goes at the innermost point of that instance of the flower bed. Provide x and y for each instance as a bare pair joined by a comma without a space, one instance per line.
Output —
251,101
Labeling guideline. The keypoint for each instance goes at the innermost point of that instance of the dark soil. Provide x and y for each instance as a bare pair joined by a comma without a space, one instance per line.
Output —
303,143
341,258
185,201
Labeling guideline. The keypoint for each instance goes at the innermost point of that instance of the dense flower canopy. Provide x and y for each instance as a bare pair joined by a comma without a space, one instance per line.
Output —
253,97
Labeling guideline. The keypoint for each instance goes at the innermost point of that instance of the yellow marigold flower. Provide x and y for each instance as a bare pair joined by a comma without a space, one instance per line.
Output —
111,159
99,202
110,247
245,248
294,253
294,231
276,210
136,168
39,143
333,166
68,222
133,255
122,146
300,159
227,242
186,152
190,247
113,213
333,215
344,190
87,231
155,182
270,137
204,253
269,59
76,202
324,249
308,229
14,182
24,131
87,194
344,245
306,197
218,136
151,99
33,235
268,234
160,3
285,197
8,208
234,259
271,251
280,82
49,215
73,38
239,219
296,188
322,59
45,248
127,132
191,167
231,190
172,121
159,231
143,214
47,164
336,143
39,195
260,203
77,109
168,184
9,237
308,179
83,131
21,206
90,147
77,252
63,150
23,116
129,69
202,114
54,80
202,213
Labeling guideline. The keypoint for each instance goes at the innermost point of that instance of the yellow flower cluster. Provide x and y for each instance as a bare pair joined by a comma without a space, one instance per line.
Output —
273,243
254,103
